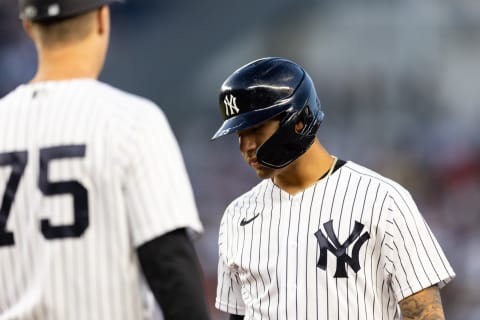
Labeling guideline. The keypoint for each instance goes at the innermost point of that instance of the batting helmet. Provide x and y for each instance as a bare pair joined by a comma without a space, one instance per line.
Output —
267,88
52,10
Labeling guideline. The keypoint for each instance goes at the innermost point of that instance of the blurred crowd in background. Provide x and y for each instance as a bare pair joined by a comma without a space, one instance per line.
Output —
399,82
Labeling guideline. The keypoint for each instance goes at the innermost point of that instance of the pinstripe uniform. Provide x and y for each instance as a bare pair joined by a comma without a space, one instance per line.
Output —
87,174
349,247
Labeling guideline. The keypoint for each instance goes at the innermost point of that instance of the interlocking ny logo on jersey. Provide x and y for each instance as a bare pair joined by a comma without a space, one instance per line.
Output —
231,105
340,250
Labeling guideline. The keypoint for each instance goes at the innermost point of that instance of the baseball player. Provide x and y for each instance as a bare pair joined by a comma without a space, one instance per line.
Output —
318,237
94,195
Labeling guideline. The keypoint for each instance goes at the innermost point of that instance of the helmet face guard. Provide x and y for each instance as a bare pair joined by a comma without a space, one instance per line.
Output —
265,89
53,10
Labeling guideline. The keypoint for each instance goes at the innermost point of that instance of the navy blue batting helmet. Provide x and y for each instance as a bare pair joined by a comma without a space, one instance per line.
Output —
268,88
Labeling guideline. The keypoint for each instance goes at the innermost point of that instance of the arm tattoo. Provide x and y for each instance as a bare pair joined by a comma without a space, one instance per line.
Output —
423,305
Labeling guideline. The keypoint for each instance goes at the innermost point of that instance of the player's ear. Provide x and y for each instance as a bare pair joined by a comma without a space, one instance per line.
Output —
304,118
299,126
27,26
103,19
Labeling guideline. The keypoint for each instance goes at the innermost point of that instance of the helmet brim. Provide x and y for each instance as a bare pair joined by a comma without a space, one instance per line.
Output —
249,119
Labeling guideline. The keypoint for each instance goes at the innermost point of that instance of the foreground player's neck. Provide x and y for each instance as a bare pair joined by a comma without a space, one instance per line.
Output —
66,63
305,171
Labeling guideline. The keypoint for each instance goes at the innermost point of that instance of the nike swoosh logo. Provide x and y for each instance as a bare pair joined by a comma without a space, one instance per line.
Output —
244,222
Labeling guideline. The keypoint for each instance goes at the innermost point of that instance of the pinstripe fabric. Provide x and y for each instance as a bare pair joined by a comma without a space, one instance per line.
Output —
137,187
268,267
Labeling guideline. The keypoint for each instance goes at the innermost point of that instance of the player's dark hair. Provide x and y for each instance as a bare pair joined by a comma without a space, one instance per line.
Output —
64,31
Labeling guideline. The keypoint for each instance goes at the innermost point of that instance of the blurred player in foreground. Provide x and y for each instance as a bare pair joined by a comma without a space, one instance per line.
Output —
94,195
318,237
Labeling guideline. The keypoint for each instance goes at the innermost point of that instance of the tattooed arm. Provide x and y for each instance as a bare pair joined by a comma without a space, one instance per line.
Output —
423,305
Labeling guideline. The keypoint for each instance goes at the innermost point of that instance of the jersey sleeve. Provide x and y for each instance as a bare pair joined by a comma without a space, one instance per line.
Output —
416,260
229,291
157,187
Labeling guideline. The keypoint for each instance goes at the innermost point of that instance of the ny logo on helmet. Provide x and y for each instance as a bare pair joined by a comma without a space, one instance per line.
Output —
230,105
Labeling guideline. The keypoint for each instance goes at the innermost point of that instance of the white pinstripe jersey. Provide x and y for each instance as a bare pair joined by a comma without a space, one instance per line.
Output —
349,247
87,174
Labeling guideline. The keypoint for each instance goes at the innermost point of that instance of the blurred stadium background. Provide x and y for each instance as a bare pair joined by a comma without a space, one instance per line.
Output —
399,82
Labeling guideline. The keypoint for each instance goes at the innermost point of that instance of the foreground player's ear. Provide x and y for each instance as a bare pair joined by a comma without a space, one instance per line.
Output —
103,19
27,26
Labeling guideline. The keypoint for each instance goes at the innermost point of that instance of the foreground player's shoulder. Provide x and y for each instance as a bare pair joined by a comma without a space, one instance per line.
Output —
123,100
14,96
141,115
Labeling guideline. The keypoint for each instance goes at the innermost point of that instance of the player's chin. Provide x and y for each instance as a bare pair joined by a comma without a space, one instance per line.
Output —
264,172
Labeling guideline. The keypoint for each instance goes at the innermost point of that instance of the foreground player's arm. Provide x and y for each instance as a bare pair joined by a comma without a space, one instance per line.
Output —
423,305
173,272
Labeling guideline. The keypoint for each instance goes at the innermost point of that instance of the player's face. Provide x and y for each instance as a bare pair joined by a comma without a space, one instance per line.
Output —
251,139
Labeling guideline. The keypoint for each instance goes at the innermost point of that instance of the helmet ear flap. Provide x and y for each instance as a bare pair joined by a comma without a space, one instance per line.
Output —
304,118
288,142
280,149
304,121
285,145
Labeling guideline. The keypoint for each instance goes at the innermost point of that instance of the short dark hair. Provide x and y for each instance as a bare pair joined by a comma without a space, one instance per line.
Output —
64,31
